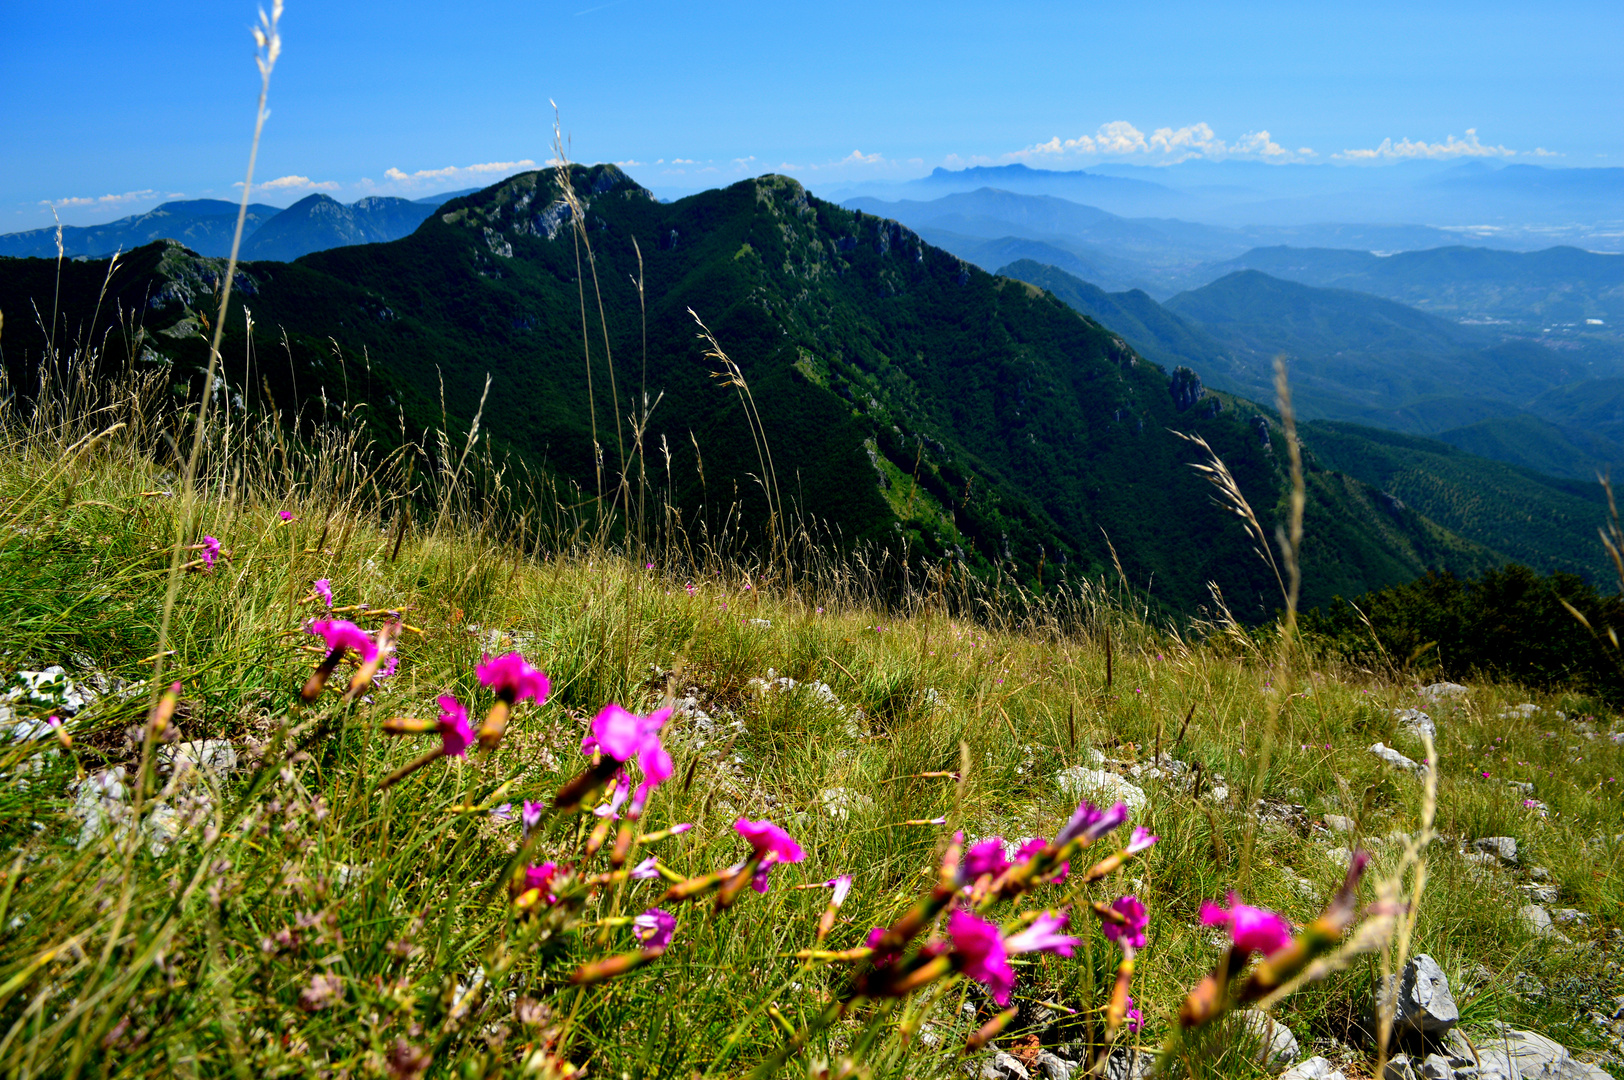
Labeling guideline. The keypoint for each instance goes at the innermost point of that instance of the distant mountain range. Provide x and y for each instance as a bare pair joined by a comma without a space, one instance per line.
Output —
910,400
1354,356
206,226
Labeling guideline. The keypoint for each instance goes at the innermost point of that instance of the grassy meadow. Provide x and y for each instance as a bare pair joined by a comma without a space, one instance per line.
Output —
294,919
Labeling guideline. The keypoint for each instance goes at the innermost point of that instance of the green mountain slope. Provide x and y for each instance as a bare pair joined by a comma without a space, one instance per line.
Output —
907,397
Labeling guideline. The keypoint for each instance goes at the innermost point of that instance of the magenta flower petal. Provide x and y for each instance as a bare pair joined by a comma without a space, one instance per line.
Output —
615,732
324,589
1132,933
647,870
1088,823
1042,936
981,953
769,840
211,551
342,634
985,857
617,796
1141,840
1252,929
654,928
513,680
530,814
456,734
541,877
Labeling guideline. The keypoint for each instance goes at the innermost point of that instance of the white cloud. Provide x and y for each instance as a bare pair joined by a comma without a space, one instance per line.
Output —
293,183
1163,146
855,162
1540,151
630,163
79,202
1451,147
455,173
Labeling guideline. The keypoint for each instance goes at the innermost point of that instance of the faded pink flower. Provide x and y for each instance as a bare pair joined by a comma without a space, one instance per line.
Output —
1141,840
1252,929
1132,934
1088,823
513,680
981,954
323,992
540,877
842,888
617,797
1042,936
1134,1017
654,928
530,815
647,870
210,551
456,734
324,589
343,634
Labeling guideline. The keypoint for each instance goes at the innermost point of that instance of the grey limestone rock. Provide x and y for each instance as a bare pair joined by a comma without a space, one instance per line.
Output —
1399,1067
1277,1046
1002,1066
1514,1054
1338,823
1054,1067
1315,1068
1441,691
1425,1002
1503,848
1079,782
1395,759
1417,723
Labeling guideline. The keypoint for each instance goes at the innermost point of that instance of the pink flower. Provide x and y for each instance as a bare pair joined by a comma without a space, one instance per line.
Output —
211,551
772,845
1089,823
456,734
530,815
1131,934
324,589
513,680
981,954
647,870
503,813
623,735
387,670
540,877
1134,1017
286,515
1030,849
1252,929
879,957
986,857
1141,840
342,634
842,887
690,588
1042,936
654,928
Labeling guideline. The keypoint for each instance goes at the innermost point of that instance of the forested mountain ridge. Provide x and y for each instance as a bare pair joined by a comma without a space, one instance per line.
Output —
907,397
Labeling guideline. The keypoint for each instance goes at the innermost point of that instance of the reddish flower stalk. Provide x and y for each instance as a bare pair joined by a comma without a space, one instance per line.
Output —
455,737
989,1031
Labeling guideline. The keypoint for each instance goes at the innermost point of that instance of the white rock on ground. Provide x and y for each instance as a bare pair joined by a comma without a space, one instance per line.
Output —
213,755
1339,823
1394,758
1002,1066
1277,1046
1417,723
1078,782
1503,848
1441,691
1525,1055
1054,1067
1538,922
1425,1003
839,803
1315,1068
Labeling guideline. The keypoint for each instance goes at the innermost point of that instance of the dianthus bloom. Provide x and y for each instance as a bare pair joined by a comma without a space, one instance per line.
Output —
1130,934
340,634
1141,840
772,845
653,928
1088,823
980,950
1031,848
985,857
1043,936
647,870
456,734
530,815
286,515
1252,929
512,680
324,589
623,736
1134,1017
210,551
539,879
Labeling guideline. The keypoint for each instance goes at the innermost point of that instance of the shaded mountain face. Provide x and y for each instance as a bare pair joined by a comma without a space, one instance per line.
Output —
318,222
204,225
907,397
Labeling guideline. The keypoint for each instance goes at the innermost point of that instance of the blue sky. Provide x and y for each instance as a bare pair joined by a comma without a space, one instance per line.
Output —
108,108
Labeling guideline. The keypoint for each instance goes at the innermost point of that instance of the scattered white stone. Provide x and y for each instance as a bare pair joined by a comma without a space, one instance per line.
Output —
1054,1067
1002,1066
1339,823
1315,1068
839,802
1538,922
1277,1046
1539,873
101,804
1425,1003
216,756
1416,723
1078,782
1526,1055
1566,916
761,622
1218,794
1442,691
1503,848
51,689
1541,894
1342,856
1394,758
